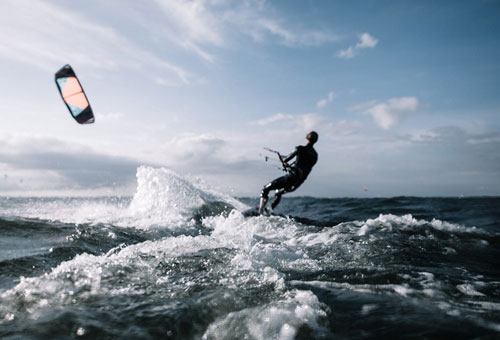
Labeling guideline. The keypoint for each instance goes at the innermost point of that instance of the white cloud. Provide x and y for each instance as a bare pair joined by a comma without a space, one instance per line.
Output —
193,148
294,38
200,25
111,116
47,36
325,101
388,114
298,122
192,25
365,41
284,128
195,21
42,163
348,53
311,121
273,119
485,138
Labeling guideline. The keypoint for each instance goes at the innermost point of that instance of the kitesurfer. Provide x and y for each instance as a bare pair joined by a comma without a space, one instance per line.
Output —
306,157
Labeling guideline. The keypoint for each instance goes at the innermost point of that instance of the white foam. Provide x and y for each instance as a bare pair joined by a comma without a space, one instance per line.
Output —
487,305
163,199
389,222
469,289
400,289
325,237
70,210
446,226
363,230
163,188
259,253
367,309
266,240
83,276
258,249
278,320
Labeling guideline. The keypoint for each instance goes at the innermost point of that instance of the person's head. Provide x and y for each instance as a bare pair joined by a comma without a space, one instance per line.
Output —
312,137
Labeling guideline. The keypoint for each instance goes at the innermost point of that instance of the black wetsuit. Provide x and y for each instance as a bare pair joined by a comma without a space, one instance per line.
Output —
306,157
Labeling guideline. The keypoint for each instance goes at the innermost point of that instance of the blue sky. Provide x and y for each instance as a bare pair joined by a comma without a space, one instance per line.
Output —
404,94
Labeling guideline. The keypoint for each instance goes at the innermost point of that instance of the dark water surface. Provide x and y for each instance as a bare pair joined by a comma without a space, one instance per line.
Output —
177,261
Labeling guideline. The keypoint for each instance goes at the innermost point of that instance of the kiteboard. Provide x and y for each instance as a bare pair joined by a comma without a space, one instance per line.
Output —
251,212
255,212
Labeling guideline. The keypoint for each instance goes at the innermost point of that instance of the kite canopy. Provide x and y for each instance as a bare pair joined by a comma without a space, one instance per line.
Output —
73,95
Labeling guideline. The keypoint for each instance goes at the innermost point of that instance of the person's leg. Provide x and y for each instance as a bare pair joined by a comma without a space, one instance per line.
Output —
262,204
277,198
290,185
278,183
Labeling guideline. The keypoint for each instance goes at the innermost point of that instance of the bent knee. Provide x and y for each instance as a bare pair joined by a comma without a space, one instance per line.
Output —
265,190
264,193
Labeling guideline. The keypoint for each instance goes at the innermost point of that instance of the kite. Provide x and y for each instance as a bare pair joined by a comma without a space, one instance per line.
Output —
73,95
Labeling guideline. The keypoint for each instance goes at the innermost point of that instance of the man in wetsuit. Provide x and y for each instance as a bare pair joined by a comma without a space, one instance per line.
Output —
306,157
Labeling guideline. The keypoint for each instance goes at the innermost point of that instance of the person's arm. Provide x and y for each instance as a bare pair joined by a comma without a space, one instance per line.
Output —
289,158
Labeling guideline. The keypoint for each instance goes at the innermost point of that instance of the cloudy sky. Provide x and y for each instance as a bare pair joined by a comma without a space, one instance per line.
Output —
405,95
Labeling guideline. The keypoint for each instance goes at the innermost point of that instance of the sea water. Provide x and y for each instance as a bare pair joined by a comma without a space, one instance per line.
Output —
178,260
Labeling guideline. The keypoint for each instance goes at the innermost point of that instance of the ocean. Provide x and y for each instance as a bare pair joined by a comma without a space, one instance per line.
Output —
178,260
